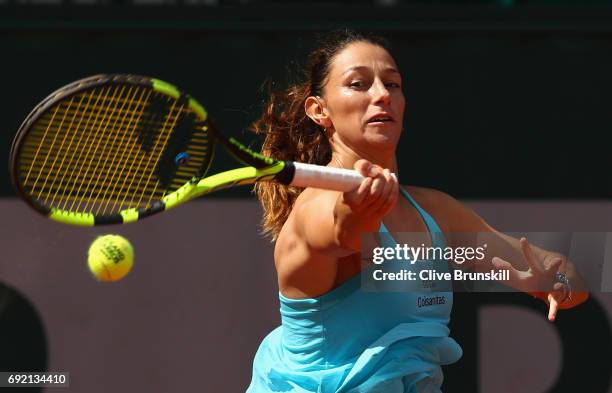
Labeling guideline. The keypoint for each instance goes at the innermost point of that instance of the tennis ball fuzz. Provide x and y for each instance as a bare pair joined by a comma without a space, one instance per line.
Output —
110,257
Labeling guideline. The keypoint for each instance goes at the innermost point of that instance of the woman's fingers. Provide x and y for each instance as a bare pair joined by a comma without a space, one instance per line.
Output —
529,256
393,196
357,197
363,167
515,276
376,191
554,266
555,298
385,194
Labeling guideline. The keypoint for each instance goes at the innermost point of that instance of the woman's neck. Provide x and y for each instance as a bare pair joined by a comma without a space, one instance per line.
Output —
345,157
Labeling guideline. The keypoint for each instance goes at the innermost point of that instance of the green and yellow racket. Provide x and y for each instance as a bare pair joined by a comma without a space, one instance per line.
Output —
112,149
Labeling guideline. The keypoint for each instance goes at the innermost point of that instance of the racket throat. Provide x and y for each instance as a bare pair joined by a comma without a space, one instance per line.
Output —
287,175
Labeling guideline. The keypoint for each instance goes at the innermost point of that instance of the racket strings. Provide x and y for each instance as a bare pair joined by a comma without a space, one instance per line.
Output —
109,149
96,118
78,161
112,187
50,130
86,154
163,134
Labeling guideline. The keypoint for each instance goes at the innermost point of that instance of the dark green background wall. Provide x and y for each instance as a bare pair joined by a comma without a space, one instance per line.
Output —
501,102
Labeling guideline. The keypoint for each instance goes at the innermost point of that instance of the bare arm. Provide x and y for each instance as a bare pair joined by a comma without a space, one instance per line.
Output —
528,263
325,227
332,223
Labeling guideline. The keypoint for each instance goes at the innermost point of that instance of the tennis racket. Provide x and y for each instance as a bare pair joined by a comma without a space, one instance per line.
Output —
113,149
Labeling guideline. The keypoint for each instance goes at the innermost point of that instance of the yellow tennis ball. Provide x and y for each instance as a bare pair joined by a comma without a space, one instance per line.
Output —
110,257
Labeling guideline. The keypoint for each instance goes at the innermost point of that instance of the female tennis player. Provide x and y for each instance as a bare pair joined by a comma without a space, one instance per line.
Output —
336,337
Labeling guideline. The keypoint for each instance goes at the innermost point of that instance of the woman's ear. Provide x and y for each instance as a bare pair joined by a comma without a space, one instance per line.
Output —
315,109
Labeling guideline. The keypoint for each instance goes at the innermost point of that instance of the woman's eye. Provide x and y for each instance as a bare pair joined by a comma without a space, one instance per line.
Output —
357,84
392,84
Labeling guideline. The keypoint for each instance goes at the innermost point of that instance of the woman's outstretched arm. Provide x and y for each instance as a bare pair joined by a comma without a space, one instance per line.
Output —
531,268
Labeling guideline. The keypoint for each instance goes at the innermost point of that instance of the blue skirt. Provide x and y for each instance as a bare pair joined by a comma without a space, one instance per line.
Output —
406,359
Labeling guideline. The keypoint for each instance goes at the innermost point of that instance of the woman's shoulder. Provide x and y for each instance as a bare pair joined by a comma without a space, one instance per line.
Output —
438,204
451,214
304,269
310,209
313,200
429,197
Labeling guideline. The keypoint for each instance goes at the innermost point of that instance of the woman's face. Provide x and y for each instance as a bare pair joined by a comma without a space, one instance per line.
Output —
364,99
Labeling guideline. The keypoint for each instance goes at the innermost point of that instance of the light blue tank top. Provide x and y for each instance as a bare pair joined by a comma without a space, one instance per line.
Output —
352,340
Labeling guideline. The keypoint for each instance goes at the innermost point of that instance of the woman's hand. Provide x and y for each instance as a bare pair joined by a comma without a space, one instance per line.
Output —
376,195
540,275
362,209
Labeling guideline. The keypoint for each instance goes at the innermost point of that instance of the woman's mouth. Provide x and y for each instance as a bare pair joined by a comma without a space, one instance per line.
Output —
380,118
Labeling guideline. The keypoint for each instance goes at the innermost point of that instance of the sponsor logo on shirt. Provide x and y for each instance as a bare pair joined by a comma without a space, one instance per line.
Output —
423,301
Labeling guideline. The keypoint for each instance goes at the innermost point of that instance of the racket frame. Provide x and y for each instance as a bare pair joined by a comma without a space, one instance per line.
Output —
260,168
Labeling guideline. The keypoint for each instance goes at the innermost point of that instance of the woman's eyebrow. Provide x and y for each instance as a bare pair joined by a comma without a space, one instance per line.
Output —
366,68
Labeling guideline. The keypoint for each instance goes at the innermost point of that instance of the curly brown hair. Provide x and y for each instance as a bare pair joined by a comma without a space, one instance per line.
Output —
290,134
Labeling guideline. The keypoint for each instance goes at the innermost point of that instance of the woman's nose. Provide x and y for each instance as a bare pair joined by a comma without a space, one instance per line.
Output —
380,93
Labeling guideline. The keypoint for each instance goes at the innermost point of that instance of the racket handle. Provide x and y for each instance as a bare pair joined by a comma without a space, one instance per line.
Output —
337,179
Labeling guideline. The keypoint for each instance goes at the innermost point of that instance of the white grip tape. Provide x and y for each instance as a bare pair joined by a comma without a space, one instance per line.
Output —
337,179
